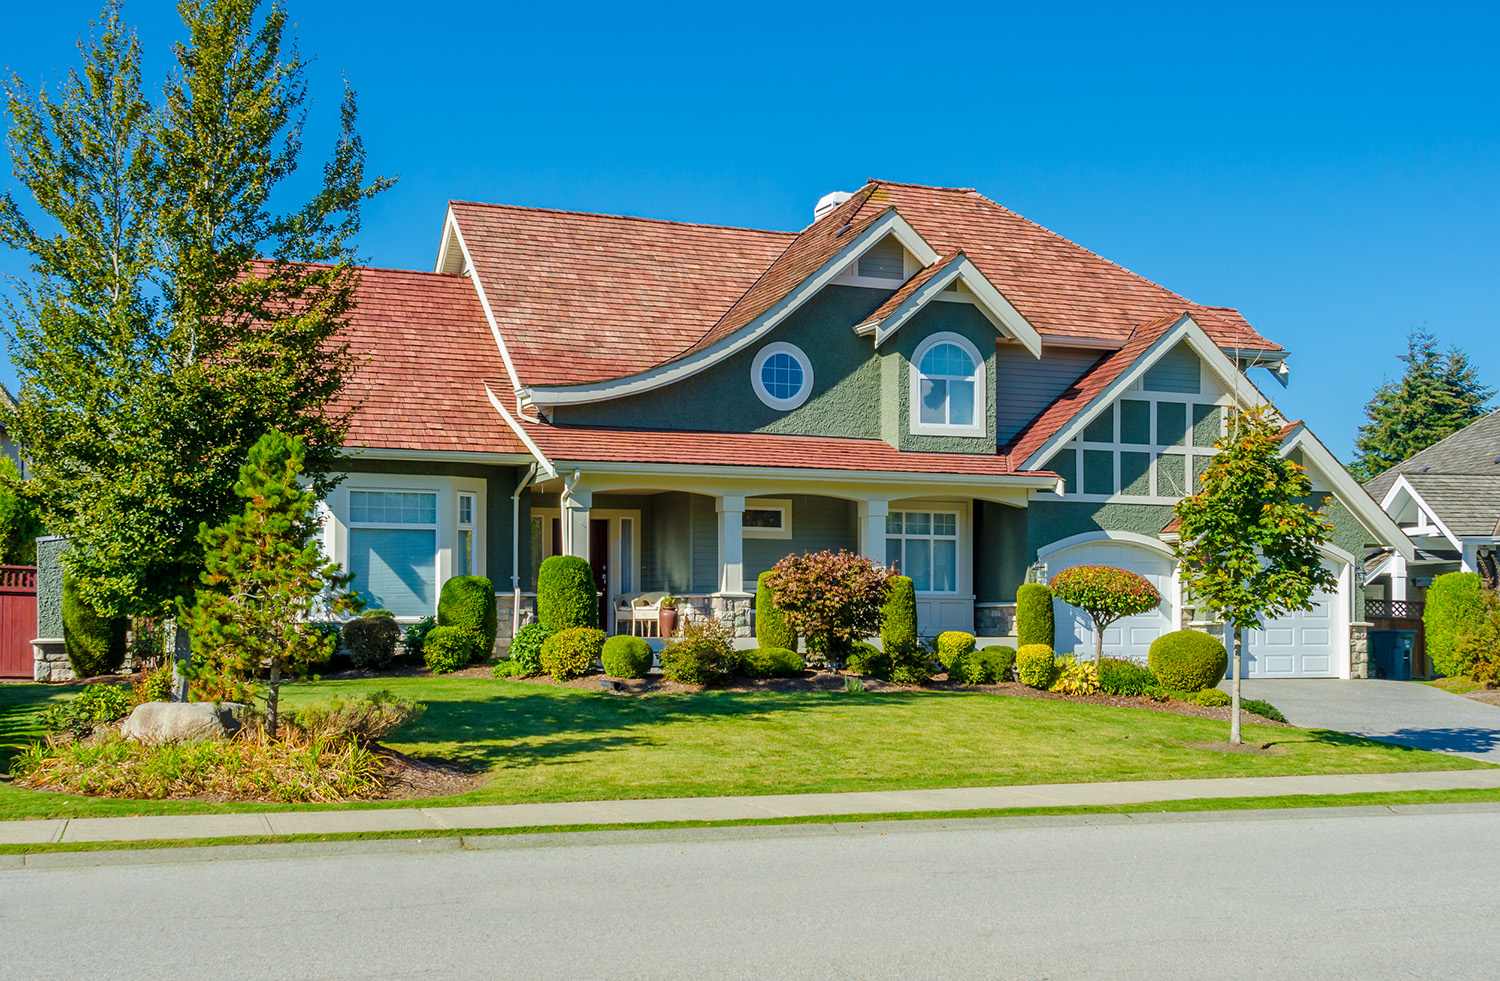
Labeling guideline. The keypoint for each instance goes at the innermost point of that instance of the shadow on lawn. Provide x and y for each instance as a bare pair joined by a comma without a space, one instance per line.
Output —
1460,740
543,728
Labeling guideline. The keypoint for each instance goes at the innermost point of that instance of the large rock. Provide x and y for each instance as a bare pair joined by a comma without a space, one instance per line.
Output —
176,722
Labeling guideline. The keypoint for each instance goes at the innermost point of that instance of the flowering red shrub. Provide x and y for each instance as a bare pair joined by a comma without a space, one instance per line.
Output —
831,598
1106,594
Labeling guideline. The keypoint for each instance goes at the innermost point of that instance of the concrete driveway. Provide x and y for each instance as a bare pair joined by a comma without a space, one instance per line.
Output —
1403,712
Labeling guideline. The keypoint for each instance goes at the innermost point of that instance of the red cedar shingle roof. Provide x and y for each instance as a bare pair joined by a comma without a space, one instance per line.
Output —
601,444
583,298
422,350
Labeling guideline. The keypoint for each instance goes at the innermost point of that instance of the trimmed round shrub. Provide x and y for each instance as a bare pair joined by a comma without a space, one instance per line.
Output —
1035,666
566,596
1212,698
771,628
526,648
1454,600
987,666
371,639
1122,676
1034,614
1188,660
772,662
898,625
952,647
626,657
571,653
468,602
95,644
869,661
450,648
702,655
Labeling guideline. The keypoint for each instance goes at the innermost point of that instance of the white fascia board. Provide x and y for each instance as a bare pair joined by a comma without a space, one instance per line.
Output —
543,464
1353,494
1027,481
1185,329
436,456
990,301
457,235
446,245
1403,485
889,223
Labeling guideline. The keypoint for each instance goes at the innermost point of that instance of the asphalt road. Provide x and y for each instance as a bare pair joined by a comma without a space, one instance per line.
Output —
1289,895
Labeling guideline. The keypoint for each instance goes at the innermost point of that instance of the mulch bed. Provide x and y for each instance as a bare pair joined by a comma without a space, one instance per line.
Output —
409,777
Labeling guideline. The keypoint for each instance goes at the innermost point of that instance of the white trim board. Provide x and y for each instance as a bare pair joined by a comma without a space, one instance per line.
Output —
451,228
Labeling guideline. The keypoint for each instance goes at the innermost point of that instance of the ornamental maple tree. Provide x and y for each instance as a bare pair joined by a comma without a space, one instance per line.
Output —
831,598
1106,594
1250,538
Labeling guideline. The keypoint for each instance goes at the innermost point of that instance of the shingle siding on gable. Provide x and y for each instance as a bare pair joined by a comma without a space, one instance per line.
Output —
1025,386
1177,371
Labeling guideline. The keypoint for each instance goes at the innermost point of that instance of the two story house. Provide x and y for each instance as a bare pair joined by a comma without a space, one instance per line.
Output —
919,375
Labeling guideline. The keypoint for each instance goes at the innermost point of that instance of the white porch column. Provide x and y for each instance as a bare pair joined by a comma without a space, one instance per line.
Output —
731,508
872,515
576,502
1398,577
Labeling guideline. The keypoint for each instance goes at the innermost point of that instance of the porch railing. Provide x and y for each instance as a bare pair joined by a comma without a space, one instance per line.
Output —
1385,609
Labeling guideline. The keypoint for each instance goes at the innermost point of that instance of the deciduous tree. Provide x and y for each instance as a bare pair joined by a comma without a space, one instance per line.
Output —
1107,595
831,598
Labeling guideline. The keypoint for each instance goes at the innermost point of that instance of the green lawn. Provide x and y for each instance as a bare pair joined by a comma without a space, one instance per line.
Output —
1456,686
542,743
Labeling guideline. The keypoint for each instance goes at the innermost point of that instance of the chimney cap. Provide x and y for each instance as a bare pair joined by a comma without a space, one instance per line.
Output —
829,201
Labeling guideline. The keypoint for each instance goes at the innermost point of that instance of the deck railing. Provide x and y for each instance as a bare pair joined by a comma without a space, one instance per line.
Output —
1384,609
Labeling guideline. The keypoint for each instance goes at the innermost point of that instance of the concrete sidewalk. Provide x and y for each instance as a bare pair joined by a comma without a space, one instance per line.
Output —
165,827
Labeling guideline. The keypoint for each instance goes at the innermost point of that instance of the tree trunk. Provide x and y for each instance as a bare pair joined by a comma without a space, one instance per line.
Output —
180,650
1234,693
273,696
1098,646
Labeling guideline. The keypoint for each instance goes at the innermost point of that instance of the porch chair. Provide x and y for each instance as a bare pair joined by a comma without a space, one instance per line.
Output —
642,611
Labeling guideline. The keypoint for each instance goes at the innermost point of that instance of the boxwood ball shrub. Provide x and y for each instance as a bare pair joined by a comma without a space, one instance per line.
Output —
771,628
626,657
95,645
1453,600
371,639
526,648
1188,660
468,602
952,647
1035,665
772,662
450,648
869,661
1034,614
898,624
571,653
988,665
565,593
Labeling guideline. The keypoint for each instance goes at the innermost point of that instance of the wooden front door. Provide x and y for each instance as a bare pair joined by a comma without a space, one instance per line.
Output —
599,559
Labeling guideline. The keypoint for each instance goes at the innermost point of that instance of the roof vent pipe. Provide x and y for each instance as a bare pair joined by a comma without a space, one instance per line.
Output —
828,202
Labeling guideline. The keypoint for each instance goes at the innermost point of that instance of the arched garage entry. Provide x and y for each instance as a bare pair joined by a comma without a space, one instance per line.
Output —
1132,636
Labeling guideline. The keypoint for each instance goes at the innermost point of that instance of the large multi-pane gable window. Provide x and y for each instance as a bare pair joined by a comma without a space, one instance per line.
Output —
393,549
924,546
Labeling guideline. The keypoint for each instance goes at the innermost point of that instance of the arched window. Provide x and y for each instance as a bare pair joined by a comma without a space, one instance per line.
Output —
948,387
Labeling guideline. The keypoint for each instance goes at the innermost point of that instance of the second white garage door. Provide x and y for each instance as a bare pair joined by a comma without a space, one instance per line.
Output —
1132,636
1304,644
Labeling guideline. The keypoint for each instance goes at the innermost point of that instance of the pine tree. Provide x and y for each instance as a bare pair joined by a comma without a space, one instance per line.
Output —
177,315
1438,394
1248,544
264,578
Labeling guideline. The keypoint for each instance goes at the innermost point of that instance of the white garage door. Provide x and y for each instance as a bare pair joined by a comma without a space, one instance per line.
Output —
1132,636
1305,644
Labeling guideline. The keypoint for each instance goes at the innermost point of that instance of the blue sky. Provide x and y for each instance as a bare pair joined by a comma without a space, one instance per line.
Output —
1334,173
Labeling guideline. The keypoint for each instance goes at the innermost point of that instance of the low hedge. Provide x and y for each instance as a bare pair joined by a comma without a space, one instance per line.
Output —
868,661
1188,660
1121,676
1262,708
772,662
1034,614
571,653
1036,666
448,649
468,602
988,665
526,648
952,647
371,639
771,628
566,596
626,657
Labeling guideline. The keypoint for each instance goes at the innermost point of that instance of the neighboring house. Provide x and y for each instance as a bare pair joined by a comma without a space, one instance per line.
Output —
920,375
8,445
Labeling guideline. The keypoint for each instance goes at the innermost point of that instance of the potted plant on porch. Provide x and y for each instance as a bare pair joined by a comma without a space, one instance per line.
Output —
667,615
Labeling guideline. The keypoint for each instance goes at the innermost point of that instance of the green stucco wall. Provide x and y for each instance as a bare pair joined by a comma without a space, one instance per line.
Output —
965,320
49,577
1051,521
999,552
846,381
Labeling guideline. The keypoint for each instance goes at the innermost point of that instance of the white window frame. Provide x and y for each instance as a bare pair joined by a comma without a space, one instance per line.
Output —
781,504
461,527
957,538
759,362
981,398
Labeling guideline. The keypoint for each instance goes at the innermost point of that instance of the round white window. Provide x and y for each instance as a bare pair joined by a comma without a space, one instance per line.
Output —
781,375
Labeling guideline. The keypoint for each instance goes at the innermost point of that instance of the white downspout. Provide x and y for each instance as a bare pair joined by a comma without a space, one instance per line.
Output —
515,549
